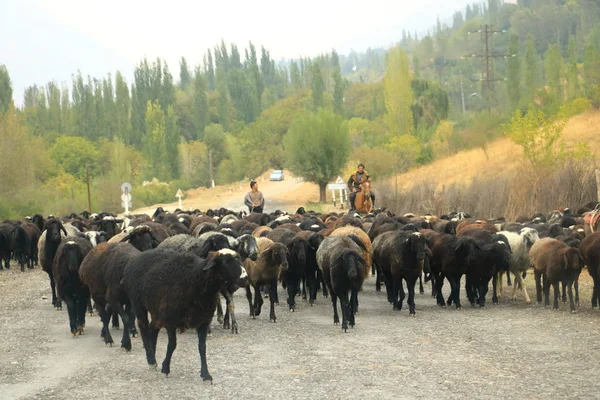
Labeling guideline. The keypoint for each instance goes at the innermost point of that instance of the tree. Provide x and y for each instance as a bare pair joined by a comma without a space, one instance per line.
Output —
172,142
214,139
200,108
572,72
317,86
210,70
6,91
514,72
154,146
338,85
591,73
122,110
398,93
254,72
530,69
317,148
72,154
406,149
185,78
295,77
243,95
553,66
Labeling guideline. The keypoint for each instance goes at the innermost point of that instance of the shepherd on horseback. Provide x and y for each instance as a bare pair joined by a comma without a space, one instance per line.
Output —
355,185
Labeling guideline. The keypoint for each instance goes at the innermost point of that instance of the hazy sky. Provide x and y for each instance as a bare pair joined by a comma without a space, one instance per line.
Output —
46,39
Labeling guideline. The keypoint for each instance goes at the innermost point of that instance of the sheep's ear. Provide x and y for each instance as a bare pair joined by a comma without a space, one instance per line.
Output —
62,228
126,238
204,249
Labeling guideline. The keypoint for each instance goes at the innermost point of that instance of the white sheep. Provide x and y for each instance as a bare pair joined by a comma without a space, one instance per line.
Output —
519,259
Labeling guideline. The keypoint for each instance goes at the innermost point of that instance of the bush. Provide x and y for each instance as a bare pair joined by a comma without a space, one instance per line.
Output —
152,194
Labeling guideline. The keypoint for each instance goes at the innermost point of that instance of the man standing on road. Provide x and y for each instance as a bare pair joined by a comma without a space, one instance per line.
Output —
254,199
357,179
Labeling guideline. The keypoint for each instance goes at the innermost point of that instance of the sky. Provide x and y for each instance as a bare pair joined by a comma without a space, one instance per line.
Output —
52,39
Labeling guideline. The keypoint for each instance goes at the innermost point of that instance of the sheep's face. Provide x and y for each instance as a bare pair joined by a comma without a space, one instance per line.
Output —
417,245
231,270
530,236
53,229
72,255
247,247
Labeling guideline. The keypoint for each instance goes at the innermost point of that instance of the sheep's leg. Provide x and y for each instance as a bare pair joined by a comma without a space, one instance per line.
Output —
455,291
495,288
556,287
546,290
53,289
82,300
392,293
321,280
291,289
171,346
576,284
410,283
401,294
202,332
115,319
125,340
483,289
129,310
273,299
433,280
564,291
90,309
469,288
311,281
538,286
353,307
508,282
144,325
72,310
439,283
520,282
345,310
336,317
570,291
105,314
377,270
219,310
230,311
421,288
249,297
499,277
304,287
595,291
258,301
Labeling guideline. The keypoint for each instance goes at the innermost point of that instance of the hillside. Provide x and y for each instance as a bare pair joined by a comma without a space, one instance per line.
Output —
503,154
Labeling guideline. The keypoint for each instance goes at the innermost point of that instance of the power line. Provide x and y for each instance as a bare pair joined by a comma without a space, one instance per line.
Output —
487,55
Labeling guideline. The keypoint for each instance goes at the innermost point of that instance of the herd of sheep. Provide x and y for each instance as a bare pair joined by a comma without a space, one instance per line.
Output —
171,270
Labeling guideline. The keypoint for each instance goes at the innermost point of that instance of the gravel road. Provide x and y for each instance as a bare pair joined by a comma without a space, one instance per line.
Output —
509,350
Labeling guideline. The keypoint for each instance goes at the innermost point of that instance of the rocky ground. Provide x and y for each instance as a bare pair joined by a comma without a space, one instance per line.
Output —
509,350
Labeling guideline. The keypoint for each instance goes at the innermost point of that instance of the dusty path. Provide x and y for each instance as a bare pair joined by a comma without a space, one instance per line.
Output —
288,195
502,351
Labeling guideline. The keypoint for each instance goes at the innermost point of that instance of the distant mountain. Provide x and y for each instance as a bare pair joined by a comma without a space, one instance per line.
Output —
36,49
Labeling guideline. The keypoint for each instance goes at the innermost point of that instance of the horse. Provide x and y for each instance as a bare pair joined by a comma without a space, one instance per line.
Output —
363,201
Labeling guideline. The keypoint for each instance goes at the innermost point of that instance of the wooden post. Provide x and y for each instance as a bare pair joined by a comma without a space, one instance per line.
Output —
87,175
598,184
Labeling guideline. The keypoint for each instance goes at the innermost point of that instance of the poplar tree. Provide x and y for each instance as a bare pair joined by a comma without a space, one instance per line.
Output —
398,93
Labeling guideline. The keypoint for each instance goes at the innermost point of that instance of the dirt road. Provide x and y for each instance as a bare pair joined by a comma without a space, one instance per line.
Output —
509,350
287,195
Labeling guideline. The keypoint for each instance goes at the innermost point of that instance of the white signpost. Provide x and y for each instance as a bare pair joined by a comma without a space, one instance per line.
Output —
338,185
126,196
179,195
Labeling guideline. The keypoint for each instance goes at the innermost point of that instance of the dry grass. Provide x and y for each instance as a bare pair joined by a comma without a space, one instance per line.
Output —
501,185
503,155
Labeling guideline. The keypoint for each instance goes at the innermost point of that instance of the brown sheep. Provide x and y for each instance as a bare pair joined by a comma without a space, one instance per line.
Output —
261,231
272,258
367,253
556,262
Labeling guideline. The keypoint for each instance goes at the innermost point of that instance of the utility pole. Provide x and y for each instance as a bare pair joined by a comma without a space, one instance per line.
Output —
87,176
487,55
462,95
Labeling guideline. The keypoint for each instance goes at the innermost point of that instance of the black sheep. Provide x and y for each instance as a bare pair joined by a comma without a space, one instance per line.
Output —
344,271
102,271
150,280
52,232
488,259
6,246
24,241
312,273
400,255
69,255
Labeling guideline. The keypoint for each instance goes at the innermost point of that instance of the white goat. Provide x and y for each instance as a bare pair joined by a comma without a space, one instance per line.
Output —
519,259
